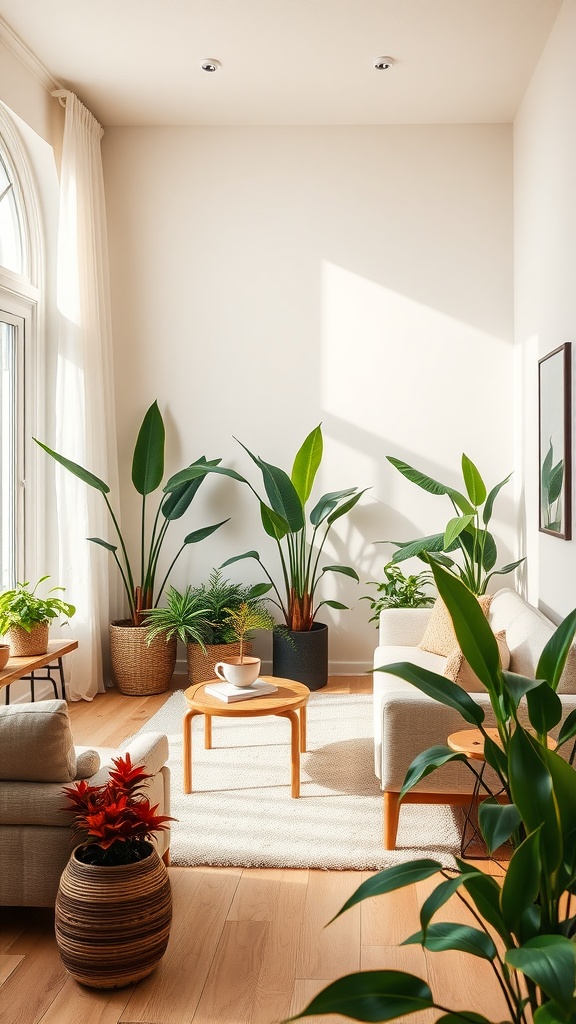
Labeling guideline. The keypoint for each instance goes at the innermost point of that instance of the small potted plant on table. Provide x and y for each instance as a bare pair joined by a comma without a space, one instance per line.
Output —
25,618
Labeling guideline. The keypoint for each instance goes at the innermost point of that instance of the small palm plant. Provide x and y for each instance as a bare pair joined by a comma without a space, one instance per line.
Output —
183,618
245,619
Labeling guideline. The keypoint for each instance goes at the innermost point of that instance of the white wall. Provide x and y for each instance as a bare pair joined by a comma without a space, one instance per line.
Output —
266,279
545,270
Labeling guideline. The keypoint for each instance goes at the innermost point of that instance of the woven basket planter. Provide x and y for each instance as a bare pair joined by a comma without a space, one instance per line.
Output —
140,669
26,645
201,665
113,923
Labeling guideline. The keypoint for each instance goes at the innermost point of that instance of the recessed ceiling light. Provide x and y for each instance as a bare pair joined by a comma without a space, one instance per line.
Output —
383,63
210,64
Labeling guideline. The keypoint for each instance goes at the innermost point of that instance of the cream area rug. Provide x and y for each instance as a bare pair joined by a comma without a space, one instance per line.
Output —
241,812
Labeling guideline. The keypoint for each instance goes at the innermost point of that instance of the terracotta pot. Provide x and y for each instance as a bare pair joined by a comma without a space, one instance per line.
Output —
113,923
201,665
26,645
140,669
4,655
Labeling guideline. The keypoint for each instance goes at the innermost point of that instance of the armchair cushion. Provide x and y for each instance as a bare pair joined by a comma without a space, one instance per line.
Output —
440,637
36,743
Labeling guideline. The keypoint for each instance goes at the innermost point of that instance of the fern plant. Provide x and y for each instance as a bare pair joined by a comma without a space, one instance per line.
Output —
219,597
183,618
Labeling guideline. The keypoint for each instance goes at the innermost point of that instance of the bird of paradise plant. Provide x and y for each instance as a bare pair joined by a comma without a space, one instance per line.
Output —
299,541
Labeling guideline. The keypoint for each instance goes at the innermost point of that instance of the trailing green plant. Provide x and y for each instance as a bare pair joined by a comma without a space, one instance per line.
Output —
183,617
246,618
551,481
467,531
217,597
399,591
22,607
299,542
147,472
527,928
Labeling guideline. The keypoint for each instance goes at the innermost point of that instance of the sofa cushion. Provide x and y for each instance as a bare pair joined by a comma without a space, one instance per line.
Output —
34,803
87,762
36,743
389,655
440,637
460,671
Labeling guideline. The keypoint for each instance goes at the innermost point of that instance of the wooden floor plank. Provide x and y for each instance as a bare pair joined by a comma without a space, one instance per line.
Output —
170,995
31,989
74,1002
229,990
326,952
304,991
8,963
400,958
391,918
460,981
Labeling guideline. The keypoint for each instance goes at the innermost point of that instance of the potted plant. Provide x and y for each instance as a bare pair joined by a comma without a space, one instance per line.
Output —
301,650
140,669
526,928
467,531
399,591
242,621
25,618
114,905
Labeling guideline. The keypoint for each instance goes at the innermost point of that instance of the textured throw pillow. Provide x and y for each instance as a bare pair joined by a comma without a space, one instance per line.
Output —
36,743
87,762
459,671
440,637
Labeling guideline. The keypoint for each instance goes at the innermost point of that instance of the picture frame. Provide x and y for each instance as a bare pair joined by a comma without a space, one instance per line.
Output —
555,447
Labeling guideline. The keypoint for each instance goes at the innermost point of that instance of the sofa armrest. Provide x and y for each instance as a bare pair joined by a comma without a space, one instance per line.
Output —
148,749
402,627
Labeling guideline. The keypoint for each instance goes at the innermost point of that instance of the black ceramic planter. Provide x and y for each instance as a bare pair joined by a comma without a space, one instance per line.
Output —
302,656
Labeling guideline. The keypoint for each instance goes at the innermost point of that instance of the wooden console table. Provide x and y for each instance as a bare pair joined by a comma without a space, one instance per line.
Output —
30,668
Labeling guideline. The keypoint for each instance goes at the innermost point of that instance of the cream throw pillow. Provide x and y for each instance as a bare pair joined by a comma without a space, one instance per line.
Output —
36,743
440,637
459,671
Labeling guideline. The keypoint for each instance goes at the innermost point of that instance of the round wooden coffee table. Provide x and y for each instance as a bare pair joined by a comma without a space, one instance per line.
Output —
289,698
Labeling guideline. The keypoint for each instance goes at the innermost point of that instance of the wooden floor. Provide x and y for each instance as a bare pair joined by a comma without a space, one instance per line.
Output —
248,946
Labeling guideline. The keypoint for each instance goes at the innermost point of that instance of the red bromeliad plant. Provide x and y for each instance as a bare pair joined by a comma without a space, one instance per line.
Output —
115,820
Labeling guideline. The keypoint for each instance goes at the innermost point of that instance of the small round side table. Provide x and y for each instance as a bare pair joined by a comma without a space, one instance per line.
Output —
289,698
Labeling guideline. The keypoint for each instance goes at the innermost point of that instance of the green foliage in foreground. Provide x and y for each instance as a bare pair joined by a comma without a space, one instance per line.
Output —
526,927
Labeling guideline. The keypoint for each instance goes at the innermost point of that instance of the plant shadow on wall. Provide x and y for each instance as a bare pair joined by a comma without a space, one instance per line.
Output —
527,927
299,540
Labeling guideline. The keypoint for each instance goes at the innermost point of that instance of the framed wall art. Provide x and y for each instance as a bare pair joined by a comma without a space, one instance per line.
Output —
555,449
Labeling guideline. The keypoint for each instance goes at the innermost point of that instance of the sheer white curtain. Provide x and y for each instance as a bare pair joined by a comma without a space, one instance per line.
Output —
85,429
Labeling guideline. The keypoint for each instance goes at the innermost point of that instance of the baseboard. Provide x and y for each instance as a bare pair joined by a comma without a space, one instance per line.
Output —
335,668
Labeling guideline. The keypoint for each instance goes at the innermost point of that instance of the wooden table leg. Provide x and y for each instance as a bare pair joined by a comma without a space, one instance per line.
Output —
207,731
187,748
295,751
303,729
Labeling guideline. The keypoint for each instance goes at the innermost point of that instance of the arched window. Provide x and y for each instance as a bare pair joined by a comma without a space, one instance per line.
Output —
19,295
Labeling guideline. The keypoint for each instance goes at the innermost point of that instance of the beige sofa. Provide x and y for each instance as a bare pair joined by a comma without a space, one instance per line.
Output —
38,758
407,722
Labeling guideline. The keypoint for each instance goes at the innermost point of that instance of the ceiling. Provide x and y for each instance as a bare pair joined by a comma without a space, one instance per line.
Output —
137,62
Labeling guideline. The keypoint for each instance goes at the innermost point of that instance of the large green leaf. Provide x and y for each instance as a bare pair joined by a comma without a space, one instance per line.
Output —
474,634
475,485
517,686
497,822
429,484
372,996
531,790
282,494
547,467
521,881
240,558
552,1013
485,893
439,688
463,1017
553,658
550,962
148,459
343,510
426,762
396,877
454,528
485,546
103,543
327,503
346,570
544,708
446,935
504,570
76,470
178,501
555,482
274,524
568,729
414,548
563,777
441,894
489,506
306,464
200,470
205,531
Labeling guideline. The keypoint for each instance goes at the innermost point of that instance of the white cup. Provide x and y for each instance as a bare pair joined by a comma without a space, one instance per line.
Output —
239,673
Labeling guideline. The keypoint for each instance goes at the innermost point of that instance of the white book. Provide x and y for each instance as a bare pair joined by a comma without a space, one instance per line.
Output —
228,692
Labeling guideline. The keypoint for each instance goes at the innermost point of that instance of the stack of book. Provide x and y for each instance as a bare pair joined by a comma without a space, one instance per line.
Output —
228,692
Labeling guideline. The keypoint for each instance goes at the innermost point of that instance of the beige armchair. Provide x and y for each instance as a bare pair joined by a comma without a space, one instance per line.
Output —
38,758
407,722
